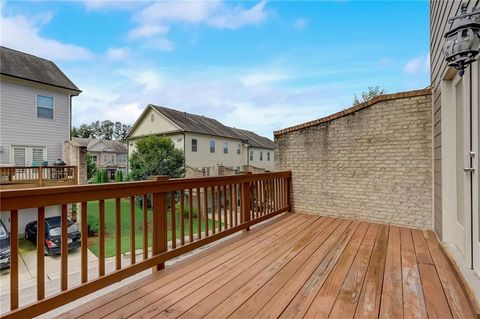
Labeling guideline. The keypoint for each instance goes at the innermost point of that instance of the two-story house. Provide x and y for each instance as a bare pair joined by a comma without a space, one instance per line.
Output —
106,154
35,107
207,144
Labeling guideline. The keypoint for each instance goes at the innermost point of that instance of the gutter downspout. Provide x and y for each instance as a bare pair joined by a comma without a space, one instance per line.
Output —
184,153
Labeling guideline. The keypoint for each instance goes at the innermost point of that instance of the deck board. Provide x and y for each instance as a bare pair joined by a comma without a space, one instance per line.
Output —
300,266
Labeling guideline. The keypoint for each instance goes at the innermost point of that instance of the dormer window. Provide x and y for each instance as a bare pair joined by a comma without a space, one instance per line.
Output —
45,107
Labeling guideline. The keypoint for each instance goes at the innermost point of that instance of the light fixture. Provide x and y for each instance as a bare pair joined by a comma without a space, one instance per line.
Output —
462,41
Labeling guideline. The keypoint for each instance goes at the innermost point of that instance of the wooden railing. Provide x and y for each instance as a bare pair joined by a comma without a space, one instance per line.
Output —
192,212
37,176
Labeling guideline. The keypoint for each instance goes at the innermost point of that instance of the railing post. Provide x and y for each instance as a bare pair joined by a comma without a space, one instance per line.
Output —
246,201
40,176
75,176
159,223
289,193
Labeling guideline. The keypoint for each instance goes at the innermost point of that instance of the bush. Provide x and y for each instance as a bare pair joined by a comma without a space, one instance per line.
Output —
101,176
118,176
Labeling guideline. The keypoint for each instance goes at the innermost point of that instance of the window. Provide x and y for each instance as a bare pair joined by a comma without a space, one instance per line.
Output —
239,149
225,147
251,155
206,171
212,146
122,158
38,155
19,156
45,107
152,117
105,158
268,156
261,156
94,159
194,145
28,155
113,158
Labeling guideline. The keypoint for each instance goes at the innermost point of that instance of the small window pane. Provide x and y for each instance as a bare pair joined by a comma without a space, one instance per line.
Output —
45,101
212,146
194,145
268,156
225,147
251,155
38,155
261,156
239,149
44,113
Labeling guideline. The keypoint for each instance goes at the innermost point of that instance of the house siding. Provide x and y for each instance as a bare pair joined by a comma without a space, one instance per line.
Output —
372,163
440,12
19,124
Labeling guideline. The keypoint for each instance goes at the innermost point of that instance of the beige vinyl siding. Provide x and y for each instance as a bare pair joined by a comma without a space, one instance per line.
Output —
160,124
19,124
264,163
440,12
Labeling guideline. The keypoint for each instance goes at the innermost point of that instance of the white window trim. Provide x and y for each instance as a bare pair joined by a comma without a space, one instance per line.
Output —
36,107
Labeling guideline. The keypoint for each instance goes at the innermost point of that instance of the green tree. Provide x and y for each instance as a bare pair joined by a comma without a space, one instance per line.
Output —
372,92
101,176
91,167
156,155
118,176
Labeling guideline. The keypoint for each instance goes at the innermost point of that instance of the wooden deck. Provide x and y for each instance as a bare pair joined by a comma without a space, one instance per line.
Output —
300,266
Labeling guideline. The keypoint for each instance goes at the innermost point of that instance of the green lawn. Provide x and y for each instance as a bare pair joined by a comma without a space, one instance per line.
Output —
92,217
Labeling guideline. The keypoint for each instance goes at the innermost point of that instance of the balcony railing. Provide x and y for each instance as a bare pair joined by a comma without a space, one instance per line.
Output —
224,205
12,177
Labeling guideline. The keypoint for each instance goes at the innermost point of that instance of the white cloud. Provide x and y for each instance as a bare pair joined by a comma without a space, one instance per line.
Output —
147,30
418,65
117,54
153,21
112,4
23,33
300,23
267,76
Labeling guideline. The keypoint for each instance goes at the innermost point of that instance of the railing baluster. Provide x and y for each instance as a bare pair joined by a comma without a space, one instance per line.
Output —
230,204
219,203
205,209
173,218
235,203
225,217
101,237
132,230
199,215
213,211
83,247
145,226
13,259
41,253
182,217
190,214
64,249
118,234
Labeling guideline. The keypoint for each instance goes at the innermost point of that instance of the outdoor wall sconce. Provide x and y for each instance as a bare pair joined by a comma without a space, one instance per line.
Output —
462,41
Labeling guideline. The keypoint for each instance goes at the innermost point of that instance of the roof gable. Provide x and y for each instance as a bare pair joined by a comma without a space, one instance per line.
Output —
29,67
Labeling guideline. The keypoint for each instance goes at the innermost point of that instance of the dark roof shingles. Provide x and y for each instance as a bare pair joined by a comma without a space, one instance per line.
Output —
29,67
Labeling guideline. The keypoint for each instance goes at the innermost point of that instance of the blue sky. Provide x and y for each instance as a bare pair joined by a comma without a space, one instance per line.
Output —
258,65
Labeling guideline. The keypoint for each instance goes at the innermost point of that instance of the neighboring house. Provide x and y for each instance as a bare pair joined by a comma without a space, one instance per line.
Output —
106,154
206,143
35,107
35,116
456,140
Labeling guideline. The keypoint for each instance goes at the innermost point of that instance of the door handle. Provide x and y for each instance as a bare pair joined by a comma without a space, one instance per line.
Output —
469,169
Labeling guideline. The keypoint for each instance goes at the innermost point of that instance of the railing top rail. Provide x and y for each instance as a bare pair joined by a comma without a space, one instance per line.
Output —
48,166
58,195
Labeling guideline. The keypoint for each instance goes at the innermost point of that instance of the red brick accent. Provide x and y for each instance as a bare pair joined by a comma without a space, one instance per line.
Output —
353,109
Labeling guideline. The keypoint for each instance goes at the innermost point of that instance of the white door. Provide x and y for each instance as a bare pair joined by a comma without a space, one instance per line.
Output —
28,155
19,156
476,167
461,220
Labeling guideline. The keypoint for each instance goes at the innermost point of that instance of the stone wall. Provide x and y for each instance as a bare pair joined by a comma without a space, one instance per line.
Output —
76,155
226,171
193,172
253,169
371,162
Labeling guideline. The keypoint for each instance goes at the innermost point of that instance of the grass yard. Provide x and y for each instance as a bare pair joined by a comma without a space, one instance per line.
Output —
92,217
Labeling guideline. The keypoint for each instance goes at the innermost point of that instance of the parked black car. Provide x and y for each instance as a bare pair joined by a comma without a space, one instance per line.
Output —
4,246
53,234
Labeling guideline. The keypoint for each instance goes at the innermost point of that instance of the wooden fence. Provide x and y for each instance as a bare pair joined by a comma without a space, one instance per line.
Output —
216,206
